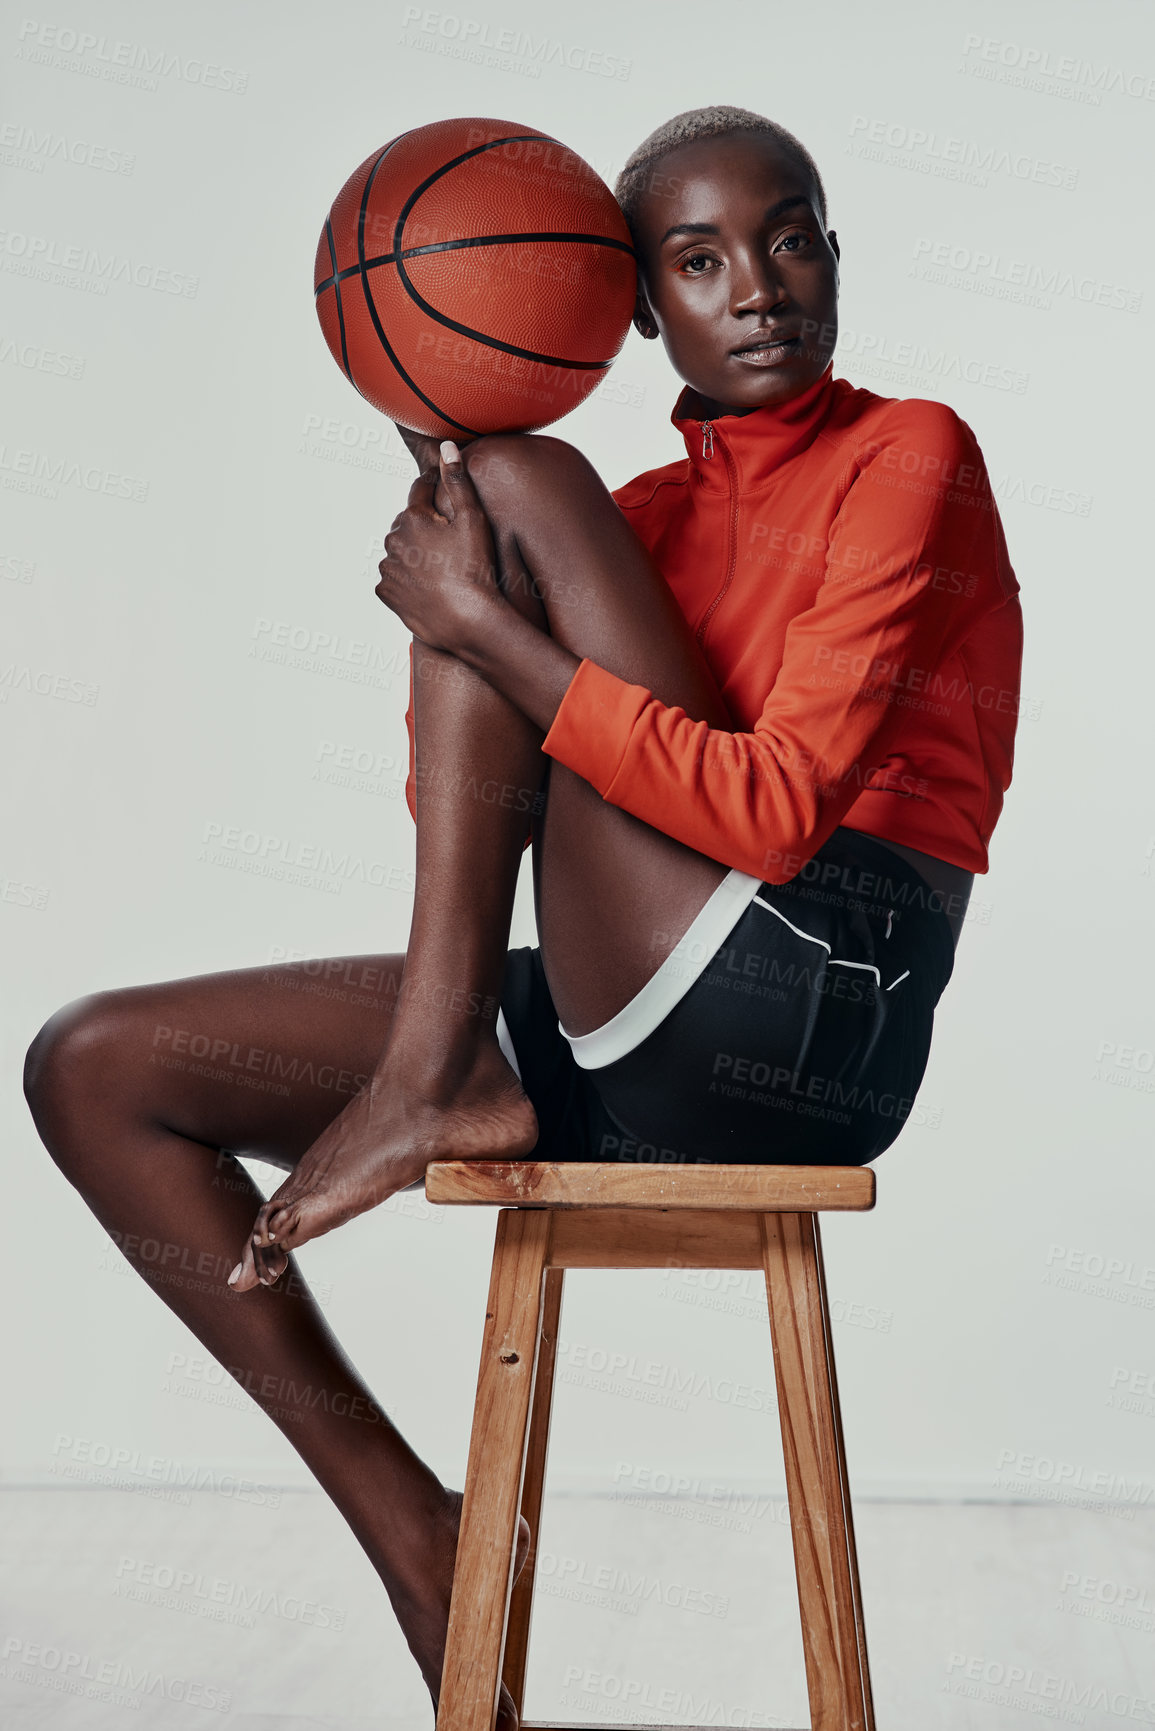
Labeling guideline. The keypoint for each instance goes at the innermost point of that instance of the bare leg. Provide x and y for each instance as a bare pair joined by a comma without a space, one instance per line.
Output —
140,1139
606,884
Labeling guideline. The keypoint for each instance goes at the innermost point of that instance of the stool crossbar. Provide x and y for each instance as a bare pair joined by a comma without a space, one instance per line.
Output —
554,1217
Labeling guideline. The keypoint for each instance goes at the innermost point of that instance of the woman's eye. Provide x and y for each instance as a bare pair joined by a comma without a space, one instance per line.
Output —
695,260
800,237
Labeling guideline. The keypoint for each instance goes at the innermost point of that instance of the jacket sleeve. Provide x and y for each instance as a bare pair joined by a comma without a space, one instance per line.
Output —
891,608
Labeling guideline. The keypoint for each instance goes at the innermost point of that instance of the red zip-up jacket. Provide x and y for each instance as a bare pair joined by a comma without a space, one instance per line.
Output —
842,563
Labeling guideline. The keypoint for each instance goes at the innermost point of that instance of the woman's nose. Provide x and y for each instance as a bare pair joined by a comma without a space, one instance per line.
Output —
755,287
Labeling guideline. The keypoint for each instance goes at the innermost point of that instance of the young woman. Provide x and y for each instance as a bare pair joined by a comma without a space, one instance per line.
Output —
755,712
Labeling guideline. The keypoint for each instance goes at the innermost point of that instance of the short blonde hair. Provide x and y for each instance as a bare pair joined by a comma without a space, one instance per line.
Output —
699,123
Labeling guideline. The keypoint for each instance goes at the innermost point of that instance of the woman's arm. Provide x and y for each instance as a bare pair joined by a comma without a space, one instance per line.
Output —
765,800
888,614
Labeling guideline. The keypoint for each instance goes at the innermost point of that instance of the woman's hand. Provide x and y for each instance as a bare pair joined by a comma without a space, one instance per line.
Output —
422,447
439,573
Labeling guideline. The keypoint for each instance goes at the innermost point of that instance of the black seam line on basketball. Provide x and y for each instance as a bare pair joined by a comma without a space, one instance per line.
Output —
510,239
352,270
478,240
377,325
496,342
442,319
337,294
455,162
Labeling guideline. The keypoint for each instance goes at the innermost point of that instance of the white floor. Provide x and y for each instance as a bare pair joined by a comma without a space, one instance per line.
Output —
126,1609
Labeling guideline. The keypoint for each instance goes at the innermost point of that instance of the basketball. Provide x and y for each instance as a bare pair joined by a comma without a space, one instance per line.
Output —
474,276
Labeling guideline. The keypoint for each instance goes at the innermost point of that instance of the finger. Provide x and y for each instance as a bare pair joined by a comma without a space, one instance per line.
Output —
456,489
245,1276
422,491
268,1259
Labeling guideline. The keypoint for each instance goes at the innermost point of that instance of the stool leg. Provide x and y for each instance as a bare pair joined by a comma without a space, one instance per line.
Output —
471,1675
829,1595
521,1602
844,1483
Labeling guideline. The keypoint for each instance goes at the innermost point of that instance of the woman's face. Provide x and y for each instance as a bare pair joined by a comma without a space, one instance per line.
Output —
737,273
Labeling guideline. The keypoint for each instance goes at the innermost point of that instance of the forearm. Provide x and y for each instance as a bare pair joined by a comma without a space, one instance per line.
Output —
522,662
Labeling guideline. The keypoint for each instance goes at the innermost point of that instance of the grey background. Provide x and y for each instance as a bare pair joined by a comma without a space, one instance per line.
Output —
998,1300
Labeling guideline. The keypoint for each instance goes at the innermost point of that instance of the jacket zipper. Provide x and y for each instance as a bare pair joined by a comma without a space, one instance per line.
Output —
732,556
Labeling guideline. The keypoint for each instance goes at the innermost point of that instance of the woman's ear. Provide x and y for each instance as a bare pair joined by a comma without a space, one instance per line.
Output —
644,322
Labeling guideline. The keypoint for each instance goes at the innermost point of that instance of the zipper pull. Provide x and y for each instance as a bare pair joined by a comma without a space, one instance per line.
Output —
707,438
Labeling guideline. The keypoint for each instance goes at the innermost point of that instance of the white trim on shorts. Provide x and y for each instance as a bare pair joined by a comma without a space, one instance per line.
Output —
689,958
505,1041
835,961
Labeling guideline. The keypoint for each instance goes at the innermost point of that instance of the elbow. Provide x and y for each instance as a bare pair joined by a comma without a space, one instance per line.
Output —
797,835
780,864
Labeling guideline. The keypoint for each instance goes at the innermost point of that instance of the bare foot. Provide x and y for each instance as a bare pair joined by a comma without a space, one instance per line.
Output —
475,1109
422,1606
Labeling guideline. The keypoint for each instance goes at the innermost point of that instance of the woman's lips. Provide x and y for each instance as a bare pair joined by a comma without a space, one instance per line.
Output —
772,354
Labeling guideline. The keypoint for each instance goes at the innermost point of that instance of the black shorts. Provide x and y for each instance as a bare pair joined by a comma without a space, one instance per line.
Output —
791,1025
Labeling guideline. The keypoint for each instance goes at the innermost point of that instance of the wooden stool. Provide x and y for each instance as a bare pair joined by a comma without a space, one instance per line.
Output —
563,1216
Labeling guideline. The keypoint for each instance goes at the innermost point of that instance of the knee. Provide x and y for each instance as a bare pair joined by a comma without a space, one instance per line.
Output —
514,468
70,1066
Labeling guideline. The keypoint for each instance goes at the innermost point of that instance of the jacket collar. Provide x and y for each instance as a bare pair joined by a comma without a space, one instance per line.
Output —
757,443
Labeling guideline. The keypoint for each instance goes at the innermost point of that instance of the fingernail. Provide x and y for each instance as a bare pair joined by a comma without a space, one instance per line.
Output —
449,451
235,1275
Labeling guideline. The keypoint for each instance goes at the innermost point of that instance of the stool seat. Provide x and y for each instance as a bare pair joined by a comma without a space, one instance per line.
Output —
576,1184
556,1215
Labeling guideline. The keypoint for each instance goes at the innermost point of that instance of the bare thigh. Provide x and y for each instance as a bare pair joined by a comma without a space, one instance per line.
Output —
613,894
254,1060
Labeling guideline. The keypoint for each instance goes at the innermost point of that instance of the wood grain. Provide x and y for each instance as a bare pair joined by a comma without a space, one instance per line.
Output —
580,1184
837,1679
521,1600
625,1238
483,1573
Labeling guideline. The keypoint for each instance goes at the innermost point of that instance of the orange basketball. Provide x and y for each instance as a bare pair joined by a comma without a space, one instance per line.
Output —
474,276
